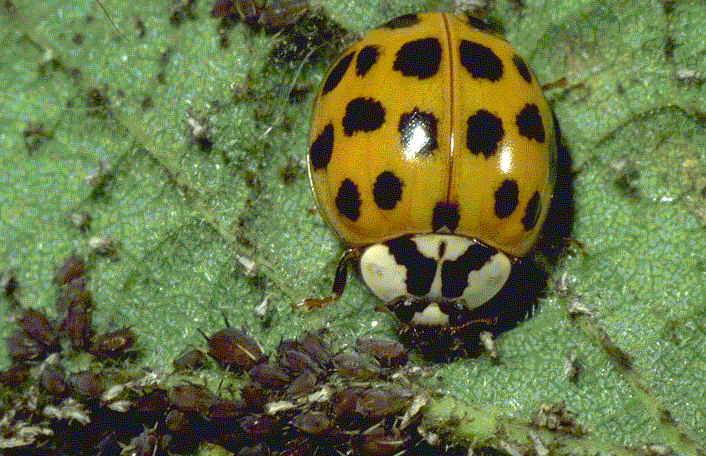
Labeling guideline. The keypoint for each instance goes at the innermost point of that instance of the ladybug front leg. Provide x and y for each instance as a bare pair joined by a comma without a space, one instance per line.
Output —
339,283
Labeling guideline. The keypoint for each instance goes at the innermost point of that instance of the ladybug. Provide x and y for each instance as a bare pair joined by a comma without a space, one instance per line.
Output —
432,156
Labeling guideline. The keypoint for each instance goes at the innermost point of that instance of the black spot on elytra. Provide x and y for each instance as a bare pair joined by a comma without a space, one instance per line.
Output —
348,200
387,190
454,274
420,269
480,61
522,68
419,58
445,215
366,59
363,114
484,133
408,20
417,133
506,198
529,123
531,212
322,148
337,74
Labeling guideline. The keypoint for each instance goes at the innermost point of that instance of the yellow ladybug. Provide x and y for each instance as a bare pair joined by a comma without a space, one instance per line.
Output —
432,155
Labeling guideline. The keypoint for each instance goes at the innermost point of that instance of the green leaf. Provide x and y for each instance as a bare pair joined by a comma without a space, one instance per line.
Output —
187,217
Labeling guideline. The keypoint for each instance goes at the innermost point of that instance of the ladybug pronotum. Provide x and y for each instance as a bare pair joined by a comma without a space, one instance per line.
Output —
432,156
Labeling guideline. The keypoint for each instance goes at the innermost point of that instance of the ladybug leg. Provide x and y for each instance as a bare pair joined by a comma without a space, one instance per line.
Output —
339,283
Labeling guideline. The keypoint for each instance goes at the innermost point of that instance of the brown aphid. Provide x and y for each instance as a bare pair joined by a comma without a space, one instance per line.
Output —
312,422
77,326
253,397
379,402
21,346
259,425
191,397
96,99
269,376
89,384
189,360
34,136
177,422
377,442
74,266
8,283
15,375
222,410
388,352
222,8
73,294
53,380
38,327
113,344
344,402
232,347
298,362
316,347
349,365
153,402
303,384
278,14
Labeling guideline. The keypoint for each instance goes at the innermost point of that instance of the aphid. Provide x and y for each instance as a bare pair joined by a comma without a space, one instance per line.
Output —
269,376
73,294
8,283
153,402
189,360
316,347
259,425
99,176
37,326
34,136
80,220
53,380
377,442
78,326
388,352
102,245
298,362
21,346
191,397
312,422
349,365
88,384
377,402
232,347
15,375
74,266
303,384
199,130
113,344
